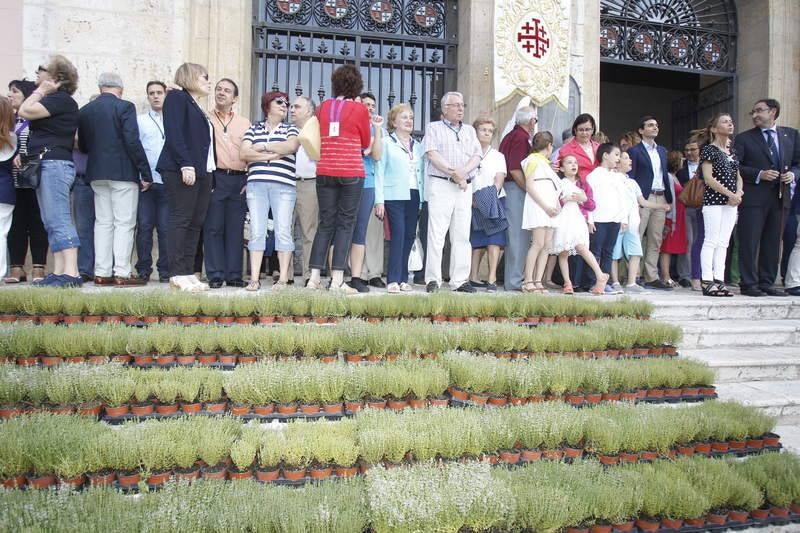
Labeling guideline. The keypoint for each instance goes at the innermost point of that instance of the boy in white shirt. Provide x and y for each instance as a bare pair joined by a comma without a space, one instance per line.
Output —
628,242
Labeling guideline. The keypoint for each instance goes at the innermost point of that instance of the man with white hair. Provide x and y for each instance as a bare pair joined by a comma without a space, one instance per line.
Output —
116,168
452,154
516,146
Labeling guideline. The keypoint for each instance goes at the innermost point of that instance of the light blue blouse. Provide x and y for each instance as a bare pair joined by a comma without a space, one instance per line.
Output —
394,167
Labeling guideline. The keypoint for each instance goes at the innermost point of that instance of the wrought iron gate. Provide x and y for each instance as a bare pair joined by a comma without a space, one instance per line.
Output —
695,110
405,49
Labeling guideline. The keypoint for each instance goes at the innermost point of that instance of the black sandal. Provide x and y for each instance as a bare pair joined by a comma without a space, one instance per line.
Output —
710,288
723,290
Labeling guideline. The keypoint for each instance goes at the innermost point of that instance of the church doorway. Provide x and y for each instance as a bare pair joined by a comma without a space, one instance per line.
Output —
673,59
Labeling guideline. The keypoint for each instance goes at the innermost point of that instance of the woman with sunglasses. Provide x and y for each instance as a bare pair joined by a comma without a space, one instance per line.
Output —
186,163
269,148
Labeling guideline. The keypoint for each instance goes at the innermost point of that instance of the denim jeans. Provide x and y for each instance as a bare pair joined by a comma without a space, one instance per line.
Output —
402,215
365,206
54,203
153,214
263,196
83,212
338,205
601,244
223,237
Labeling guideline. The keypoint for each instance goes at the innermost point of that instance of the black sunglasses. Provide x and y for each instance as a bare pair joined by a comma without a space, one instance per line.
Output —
281,101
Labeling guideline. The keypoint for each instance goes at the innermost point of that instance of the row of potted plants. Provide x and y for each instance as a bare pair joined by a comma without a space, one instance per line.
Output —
485,379
312,387
580,498
42,449
151,306
308,387
50,345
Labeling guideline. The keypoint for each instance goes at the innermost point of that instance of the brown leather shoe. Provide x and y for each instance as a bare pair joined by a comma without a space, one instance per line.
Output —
103,280
129,282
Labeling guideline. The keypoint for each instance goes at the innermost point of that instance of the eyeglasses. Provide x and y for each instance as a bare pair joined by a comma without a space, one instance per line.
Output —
460,105
281,101
41,68
760,110
204,76
585,130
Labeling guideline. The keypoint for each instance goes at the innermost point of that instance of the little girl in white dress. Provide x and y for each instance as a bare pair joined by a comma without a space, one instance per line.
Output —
571,235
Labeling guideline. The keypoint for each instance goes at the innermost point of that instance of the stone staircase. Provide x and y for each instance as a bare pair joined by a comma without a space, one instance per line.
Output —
753,345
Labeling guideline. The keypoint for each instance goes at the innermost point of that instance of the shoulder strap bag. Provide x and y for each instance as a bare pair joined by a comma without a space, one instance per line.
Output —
692,193
31,172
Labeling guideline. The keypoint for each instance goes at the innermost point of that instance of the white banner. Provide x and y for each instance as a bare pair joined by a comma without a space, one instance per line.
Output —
531,50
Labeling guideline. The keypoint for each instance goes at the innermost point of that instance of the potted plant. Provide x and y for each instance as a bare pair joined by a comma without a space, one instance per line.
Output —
243,455
116,391
184,452
270,456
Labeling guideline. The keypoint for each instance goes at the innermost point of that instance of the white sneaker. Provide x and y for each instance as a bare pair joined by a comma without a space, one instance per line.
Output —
405,287
393,288
617,287
634,289
193,279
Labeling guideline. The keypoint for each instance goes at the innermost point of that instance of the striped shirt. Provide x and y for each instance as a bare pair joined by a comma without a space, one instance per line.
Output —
341,154
280,170
23,131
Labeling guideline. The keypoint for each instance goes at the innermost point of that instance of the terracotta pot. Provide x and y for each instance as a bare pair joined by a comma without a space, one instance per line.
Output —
641,352
62,410
92,319
575,399
738,516
439,402
310,409
270,319
613,353
187,475
553,455
49,360
116,412
247,359
772,440
264,410
760,514
397,405
718,519
516,400
536,398
49,319
151,319
76,359
186,360
782,512
167,409
234,474
345,471
594,398
577,530
206,319
648,456
392,357
354,358
143,359
598,528
224,320
287,408
216,407
510,457
672,393
498,401
695,522
416,403
266,476
458,394
112,319
690,392
207,358
647,525
670,523
333,408
611,396
377,403
528,456
239,410
141,410
191,408
73,482
373,358
97,359
320,472
227,359
609,460
9,412
624,526
687,451
573,453
41,482
128,479
721,447
13,482
625,457
122,358
755,444
655,393
216,472
703,448
708,391
737,444
294,475
165,359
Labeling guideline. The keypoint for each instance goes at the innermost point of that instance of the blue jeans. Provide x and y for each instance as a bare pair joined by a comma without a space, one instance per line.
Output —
223,239
152,214
601,244
364,212
83,210
402,215
518,240
54,203
263,196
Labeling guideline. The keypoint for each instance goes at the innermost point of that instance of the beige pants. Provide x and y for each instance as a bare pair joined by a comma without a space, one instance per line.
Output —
306,211
373,260
652,227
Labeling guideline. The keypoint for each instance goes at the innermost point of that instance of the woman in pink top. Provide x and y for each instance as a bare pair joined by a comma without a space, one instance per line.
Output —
582,146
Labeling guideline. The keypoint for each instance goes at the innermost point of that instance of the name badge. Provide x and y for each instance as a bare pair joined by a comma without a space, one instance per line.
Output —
333,129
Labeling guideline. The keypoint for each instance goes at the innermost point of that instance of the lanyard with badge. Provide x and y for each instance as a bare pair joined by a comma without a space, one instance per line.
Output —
336,114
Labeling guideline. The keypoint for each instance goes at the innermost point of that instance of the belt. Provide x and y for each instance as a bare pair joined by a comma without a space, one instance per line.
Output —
299,178
657,193
447,178
231,172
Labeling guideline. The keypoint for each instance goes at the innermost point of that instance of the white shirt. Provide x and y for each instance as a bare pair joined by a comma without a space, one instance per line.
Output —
692,168
210,166
151,135
305,167
491,164
655,159
633,192
610,196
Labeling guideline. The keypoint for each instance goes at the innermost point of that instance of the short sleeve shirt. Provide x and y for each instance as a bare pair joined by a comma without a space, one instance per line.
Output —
492,163
56,132
515,146
724,168
457,144
281,170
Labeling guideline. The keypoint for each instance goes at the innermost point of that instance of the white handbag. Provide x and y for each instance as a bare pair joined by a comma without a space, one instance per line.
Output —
415,257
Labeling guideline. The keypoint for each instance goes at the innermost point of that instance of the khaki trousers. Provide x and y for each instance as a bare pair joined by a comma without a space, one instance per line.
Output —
652,227
306,212
373,260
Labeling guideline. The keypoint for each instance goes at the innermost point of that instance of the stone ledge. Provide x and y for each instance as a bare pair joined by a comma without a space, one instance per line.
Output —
753,364
738,333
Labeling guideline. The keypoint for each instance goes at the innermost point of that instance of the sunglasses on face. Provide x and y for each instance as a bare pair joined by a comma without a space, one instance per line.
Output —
281,101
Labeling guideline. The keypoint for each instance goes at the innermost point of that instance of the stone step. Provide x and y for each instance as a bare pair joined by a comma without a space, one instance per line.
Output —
686,307
732,364
790,437
738,334
776,398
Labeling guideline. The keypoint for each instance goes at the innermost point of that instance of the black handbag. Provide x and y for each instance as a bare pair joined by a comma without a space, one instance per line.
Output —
31,172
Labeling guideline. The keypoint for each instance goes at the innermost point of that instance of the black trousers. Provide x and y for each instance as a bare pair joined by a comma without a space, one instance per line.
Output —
223,239
759,230
338,200
601,244
187,212
27,227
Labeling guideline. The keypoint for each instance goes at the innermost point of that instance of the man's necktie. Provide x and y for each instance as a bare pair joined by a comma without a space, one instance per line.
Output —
773,149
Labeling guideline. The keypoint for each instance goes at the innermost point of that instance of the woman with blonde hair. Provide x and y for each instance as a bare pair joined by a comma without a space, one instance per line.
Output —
53,116
8,149
186,163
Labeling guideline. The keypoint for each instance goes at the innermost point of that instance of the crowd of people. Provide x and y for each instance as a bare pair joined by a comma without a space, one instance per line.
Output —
91,183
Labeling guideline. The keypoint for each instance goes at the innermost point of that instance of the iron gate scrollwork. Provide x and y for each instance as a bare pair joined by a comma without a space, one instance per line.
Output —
405,49
697,35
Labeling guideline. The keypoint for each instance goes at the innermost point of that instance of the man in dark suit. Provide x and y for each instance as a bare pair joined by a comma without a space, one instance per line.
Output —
769,160
116,169
649,169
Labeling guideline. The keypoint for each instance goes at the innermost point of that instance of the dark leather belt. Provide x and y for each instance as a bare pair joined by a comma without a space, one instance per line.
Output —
657,193
231,172
306,179
447,178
